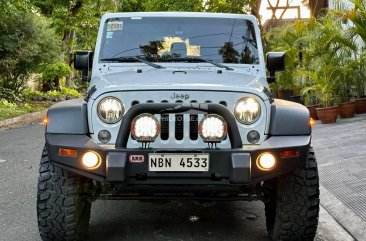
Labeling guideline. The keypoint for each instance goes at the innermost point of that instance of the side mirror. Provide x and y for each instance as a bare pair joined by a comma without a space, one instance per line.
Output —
275,62
83,61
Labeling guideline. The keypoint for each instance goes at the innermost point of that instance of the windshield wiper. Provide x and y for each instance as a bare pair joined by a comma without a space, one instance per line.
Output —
199,59
133,59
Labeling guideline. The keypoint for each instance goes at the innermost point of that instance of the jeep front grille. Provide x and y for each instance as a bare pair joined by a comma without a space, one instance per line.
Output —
176,131
179,126
178,120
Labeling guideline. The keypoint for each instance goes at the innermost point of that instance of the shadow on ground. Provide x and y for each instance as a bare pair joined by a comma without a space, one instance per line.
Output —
177,220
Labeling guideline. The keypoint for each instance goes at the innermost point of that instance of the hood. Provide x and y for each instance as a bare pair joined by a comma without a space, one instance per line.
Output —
177,79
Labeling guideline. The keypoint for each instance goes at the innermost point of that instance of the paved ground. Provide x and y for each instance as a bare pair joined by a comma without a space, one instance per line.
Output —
131,220
341,151
341,154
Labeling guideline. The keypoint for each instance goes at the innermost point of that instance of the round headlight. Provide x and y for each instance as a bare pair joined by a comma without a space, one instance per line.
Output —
247,110
110,110
213,128
145,128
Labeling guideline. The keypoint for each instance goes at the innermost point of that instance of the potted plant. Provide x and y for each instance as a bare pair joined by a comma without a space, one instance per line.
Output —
311,103
343,85
323,88
360,72
287,39
328,113
356,30
347,109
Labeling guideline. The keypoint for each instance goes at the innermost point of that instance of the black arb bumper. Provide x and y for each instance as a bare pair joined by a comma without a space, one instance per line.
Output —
235,166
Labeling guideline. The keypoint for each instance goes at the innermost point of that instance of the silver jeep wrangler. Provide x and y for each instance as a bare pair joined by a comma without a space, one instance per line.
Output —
178,106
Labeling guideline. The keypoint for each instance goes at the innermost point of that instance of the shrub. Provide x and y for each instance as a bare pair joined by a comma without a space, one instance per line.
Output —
63,94
51,75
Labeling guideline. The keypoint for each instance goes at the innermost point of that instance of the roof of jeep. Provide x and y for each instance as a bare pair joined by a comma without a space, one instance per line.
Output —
179,14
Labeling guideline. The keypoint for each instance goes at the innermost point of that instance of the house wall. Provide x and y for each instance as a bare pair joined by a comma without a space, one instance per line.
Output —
340,4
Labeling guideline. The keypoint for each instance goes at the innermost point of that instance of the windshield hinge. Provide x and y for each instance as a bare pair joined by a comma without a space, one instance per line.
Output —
90,93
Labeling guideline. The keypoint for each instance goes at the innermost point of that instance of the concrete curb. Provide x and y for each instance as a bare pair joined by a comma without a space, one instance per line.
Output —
329,229
23,119
347,218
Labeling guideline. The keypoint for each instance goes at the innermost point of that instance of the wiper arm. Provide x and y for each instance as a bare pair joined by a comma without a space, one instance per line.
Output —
133,58
195,59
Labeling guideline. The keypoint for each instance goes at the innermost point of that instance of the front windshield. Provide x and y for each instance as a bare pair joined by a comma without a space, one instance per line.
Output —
169,39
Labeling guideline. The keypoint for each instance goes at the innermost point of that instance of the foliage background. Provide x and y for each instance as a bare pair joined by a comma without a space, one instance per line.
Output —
40,36
325,56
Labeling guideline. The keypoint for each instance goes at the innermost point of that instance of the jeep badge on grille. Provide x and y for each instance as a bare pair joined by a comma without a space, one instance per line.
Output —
177,96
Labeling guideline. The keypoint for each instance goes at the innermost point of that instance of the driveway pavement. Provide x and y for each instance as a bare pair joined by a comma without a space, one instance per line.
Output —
341,152
132,220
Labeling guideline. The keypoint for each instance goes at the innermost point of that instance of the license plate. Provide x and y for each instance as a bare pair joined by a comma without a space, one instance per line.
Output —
177,162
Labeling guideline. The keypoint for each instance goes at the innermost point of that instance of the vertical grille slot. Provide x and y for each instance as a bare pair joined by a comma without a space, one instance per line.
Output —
135,102
179,129
193,127
164,127
223,103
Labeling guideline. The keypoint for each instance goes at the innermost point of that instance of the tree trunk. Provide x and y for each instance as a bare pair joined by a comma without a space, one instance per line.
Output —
255,11
69,36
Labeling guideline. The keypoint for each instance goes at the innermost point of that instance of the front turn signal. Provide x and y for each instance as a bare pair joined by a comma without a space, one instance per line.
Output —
45,121
311,122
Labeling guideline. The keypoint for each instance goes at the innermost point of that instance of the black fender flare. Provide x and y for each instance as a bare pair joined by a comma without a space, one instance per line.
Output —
68,117
289,119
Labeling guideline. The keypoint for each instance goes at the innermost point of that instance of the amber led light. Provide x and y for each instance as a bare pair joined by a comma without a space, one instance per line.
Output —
45,121
311,122
67,152
289,153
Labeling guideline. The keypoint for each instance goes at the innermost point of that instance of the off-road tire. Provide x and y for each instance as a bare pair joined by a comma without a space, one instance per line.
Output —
63,210
292,203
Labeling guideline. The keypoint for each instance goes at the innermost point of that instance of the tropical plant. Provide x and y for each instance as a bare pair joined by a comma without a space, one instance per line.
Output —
323,88
326,70
355,22
289,39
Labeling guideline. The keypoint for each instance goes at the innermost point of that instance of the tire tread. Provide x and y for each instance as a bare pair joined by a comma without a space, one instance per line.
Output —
292,208
61,204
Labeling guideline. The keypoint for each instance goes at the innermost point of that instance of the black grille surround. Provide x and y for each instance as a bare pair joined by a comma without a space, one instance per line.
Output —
179,120
178,109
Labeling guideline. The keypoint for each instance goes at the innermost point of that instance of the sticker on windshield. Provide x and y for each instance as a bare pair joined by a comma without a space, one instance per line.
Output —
115,26
109,35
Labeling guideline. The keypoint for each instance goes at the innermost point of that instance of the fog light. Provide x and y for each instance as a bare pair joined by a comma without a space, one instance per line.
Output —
104,136
253,137
266,161
145,128
91,160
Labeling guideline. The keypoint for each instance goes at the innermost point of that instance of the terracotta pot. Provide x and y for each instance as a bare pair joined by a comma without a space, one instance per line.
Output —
347,110
312,110
360,106
328,115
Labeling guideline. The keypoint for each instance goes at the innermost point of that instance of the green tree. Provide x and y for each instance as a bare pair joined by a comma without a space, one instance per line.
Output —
26,41
172,5
229,6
